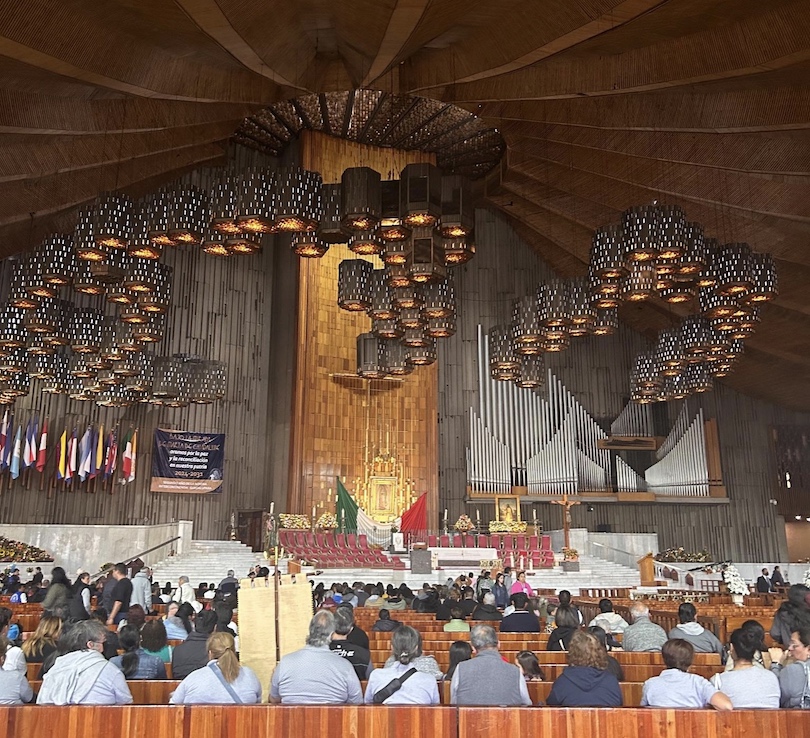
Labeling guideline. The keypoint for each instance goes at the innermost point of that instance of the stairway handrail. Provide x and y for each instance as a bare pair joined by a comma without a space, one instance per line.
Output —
101,573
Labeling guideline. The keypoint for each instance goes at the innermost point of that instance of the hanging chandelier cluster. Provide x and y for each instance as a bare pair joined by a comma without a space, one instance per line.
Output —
419,226
656,252
542,322
84,311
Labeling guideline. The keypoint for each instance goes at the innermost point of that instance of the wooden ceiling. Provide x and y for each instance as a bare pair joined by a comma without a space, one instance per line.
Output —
603,104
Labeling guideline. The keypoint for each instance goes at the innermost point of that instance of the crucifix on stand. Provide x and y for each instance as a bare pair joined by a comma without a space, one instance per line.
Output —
567,505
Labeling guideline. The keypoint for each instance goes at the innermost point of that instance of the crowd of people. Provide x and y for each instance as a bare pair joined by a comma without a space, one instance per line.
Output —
88,654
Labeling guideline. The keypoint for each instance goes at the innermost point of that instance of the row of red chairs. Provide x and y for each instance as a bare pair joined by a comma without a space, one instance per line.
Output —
512,549
337,551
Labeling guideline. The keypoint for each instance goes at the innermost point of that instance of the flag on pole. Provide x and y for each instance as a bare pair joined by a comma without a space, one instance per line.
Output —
85,453
30,449
72,451
43,447
61,463
15,456
5,432
8,445
97,462
110,455
129,457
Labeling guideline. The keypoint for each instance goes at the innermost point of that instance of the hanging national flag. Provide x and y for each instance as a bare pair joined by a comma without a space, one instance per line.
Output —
61,464
29,457
15,456
8,445
86,451
97,461
5,431
110,455
43,447
72,452
346,509
129,457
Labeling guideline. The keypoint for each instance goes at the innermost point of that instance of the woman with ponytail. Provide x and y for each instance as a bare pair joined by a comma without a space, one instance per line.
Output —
135,662
222,681
401,683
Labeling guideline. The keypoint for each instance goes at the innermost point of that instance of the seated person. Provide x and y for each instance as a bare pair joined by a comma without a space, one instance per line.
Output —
457,623
614,667
702,640
82,676
566,624
459,651
487,609
520,620
675,687
791,668
135,663
385,624
529,665
586,681
418,688
617,622
747,685
222,680
14,687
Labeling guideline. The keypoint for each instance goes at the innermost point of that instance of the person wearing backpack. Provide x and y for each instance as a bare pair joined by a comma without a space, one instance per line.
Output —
401,683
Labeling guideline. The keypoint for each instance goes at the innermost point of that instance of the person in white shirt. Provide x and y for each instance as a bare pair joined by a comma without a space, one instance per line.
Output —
184,592
616,622
15,658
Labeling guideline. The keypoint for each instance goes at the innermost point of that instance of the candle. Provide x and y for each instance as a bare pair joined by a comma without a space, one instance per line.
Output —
313,514
445,516
534,513
478,515
272,507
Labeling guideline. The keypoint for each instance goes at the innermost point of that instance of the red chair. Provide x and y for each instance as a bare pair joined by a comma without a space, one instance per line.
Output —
469,542
533,543
362,541
509,543
319,540
352,540
456,541
432,541
340,540
520,543
545,544
444,541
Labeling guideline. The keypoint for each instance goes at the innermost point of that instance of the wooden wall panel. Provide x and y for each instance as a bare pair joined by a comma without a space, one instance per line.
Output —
596,371
336,419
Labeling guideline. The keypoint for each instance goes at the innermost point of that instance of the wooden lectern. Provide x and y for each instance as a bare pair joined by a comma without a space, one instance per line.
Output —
293,567
646,569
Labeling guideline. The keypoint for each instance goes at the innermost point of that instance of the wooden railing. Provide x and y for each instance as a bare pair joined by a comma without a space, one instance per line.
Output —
361,721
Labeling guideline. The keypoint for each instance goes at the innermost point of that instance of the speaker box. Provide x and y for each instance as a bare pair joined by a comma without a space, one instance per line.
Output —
604,528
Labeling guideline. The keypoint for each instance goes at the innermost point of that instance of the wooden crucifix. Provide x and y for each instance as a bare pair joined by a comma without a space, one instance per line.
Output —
567,505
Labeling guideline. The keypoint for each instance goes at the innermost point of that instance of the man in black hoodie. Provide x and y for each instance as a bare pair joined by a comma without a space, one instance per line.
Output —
192,654
521,620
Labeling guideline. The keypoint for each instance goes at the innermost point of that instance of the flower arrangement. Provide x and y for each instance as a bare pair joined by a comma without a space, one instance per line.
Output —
570,554
327,521
501,526
11,550
294,522
734,581
464,524
680,554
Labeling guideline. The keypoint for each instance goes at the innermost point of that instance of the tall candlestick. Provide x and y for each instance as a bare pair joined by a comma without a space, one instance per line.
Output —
272,507
478,516
313,514
445,516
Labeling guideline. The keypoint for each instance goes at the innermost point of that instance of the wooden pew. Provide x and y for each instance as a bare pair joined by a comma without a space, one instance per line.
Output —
363,721
144,691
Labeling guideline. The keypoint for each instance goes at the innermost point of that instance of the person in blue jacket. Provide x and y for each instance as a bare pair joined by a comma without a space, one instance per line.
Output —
586,681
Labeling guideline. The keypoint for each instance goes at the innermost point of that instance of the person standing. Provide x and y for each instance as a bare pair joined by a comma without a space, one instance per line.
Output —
121,595
763,582
777,580
142,589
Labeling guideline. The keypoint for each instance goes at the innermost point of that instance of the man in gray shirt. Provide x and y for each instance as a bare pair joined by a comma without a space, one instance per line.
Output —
487,679
643,634
315,675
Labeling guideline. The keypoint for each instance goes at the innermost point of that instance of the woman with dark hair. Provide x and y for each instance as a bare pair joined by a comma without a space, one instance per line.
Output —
586,681
565,601
416,687
793,614
793,681
80,597
136,663
222,681
676,687
762,657
529,665
153,640
136,617
521,585
58,595
459,651
746,684
500,591
614,667
567,623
